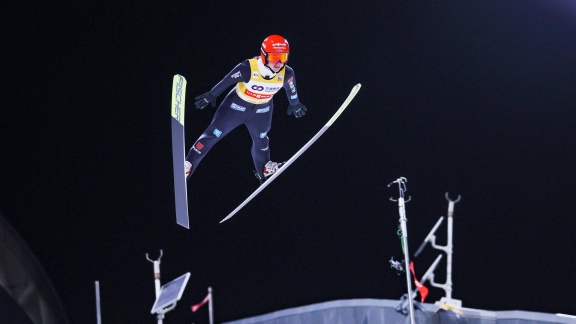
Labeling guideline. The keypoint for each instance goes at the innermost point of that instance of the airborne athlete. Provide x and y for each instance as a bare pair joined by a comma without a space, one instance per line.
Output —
250,103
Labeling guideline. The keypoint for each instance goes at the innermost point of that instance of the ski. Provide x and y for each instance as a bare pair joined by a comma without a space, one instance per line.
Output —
178,143
351,96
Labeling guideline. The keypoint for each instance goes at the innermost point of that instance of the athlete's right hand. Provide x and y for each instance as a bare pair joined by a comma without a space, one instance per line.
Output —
204,99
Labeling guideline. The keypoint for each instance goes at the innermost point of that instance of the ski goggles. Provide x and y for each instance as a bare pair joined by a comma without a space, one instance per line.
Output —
277,57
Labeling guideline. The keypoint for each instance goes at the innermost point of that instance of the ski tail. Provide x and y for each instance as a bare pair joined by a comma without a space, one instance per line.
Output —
178,147
351,96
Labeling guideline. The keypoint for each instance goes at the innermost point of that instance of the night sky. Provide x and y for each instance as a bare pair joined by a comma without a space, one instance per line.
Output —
477,99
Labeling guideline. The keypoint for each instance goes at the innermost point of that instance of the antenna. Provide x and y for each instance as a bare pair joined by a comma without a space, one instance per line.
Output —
402,210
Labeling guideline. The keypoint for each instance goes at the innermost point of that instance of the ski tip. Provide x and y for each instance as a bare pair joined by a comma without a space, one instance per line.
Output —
357,87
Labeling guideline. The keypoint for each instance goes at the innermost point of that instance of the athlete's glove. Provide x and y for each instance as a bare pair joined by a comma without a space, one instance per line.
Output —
298,110
204,99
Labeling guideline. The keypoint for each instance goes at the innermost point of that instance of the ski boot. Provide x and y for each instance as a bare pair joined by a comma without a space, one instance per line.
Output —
269,169
187,169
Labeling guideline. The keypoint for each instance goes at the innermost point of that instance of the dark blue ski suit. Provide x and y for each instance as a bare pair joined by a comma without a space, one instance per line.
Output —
249,103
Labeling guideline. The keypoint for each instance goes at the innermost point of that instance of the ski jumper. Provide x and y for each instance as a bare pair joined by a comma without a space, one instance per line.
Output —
249,103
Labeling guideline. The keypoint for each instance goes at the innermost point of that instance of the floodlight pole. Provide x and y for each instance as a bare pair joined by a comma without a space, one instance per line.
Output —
401,208
157,280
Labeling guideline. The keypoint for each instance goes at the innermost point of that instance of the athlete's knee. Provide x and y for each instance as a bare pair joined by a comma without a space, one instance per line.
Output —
261,143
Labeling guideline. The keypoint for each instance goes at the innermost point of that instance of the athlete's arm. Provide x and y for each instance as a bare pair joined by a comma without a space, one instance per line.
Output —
290,86
240,73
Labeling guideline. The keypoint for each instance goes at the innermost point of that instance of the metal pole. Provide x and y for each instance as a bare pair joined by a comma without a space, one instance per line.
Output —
98,314
157,281
210,305
401,208
449,247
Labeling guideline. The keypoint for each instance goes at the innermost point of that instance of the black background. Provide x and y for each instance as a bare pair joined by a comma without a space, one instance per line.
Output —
472,98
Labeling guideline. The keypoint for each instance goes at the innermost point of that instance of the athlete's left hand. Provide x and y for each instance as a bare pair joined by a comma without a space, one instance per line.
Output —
298,110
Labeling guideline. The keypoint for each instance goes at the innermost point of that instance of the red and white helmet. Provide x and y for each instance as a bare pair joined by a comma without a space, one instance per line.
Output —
274,48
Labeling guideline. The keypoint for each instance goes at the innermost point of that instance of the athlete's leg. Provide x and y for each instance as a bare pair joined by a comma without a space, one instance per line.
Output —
227,117
259,123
